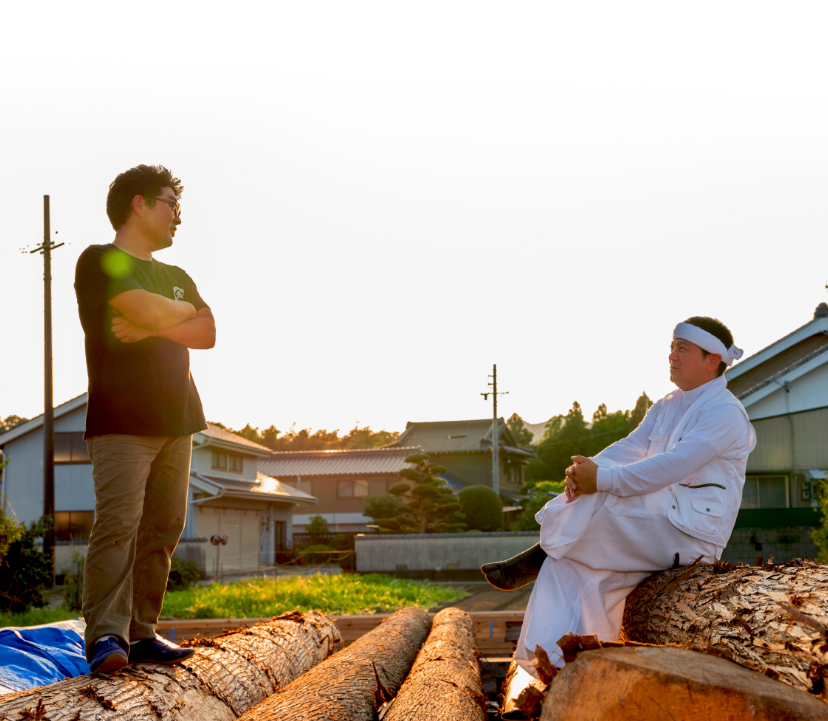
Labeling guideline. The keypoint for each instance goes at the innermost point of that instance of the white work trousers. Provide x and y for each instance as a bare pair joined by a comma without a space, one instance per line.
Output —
584,590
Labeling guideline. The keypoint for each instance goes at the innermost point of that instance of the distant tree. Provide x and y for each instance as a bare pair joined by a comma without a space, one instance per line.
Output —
384,506
317,525
482,507
306,440
555,449
9,422
427,506
569,436
521,434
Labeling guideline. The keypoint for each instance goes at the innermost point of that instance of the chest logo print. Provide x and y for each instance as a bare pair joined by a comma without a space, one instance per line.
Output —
179,293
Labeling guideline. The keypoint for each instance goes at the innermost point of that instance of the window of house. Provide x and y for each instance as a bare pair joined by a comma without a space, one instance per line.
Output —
765,492
73,525
227,462
71,448
352,489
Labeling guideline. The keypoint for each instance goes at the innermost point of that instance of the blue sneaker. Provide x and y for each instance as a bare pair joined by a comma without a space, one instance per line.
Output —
107,656
155,651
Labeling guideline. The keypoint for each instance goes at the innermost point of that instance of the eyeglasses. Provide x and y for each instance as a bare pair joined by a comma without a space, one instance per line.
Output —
174,205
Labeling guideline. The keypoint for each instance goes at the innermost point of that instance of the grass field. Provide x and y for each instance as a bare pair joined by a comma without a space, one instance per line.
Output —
342,594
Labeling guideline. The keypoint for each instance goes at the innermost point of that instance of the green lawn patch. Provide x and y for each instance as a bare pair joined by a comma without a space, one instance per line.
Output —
342,594
36,617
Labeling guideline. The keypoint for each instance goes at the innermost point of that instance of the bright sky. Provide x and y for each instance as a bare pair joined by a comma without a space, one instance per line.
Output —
383,199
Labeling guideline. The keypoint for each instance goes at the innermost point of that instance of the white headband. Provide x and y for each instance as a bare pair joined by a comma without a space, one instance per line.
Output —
708,341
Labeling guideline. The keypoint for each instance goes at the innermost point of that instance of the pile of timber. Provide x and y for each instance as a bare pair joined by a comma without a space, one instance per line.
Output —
704,641
772,619
354,683
227,675
444,682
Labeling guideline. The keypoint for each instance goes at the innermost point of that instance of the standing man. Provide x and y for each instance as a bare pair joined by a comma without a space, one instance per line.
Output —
668,493
139,317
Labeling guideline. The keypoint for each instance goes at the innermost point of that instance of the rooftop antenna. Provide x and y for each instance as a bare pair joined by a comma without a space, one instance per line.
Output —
495,433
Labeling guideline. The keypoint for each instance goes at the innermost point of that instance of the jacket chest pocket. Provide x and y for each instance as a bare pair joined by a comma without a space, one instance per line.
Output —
708,508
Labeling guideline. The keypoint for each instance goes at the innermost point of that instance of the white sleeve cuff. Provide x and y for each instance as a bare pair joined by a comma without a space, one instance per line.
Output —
603,480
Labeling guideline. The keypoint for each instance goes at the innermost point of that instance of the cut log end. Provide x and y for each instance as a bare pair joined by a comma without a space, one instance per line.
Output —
657,682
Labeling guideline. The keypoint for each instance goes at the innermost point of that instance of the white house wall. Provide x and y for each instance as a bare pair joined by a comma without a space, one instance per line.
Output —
806,392
74,488
23,477
203,463
775,436
74,422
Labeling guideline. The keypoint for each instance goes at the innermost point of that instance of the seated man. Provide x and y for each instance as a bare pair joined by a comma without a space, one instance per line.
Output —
673,486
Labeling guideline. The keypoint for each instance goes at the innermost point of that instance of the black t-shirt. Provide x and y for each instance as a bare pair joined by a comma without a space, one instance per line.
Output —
143,388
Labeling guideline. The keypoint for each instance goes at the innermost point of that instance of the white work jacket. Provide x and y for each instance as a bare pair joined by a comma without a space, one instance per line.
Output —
691,457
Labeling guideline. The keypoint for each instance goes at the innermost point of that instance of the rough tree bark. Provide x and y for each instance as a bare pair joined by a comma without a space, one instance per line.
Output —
444,682
772,619
227,675
354,683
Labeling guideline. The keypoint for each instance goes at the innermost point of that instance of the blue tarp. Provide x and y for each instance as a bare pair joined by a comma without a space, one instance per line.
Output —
32,657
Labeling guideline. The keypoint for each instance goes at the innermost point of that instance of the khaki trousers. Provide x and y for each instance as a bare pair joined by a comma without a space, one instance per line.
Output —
141,487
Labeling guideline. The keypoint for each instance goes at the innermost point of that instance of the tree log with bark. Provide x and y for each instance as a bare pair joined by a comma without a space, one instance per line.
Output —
649,683
354,683
772,619
227,675
444,683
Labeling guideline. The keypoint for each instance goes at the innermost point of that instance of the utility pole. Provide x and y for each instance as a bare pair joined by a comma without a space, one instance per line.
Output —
48,400
495,432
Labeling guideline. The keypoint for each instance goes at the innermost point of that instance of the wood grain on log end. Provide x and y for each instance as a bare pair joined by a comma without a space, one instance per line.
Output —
352,684
772,619
226,676
523,694
444,683
642,684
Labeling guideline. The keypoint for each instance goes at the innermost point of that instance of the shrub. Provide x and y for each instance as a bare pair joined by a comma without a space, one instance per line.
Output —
384,506
73,582
315,554
183,574
317,527
527,521
25,571
482,507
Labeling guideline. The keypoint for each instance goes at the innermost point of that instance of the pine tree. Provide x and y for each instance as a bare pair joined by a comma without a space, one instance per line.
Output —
428,505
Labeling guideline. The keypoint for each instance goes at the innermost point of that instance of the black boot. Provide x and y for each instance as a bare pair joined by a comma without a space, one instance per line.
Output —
517,571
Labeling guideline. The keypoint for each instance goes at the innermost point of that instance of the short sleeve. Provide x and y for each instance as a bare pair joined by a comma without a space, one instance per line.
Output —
103,273
192,293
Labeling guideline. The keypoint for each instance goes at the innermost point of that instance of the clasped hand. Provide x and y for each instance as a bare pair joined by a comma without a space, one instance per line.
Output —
126,332
581,478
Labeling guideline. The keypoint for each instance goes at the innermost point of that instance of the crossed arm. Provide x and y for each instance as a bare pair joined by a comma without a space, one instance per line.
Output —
141,315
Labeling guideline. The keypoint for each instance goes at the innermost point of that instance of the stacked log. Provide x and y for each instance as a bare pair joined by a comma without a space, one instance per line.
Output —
354,683
660,682
227,675
771,619
444,683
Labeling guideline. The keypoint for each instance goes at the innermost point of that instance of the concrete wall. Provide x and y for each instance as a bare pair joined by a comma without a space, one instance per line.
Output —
747,544
437,555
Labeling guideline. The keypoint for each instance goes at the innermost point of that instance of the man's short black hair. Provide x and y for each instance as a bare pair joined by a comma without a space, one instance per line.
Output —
715,327
145,180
